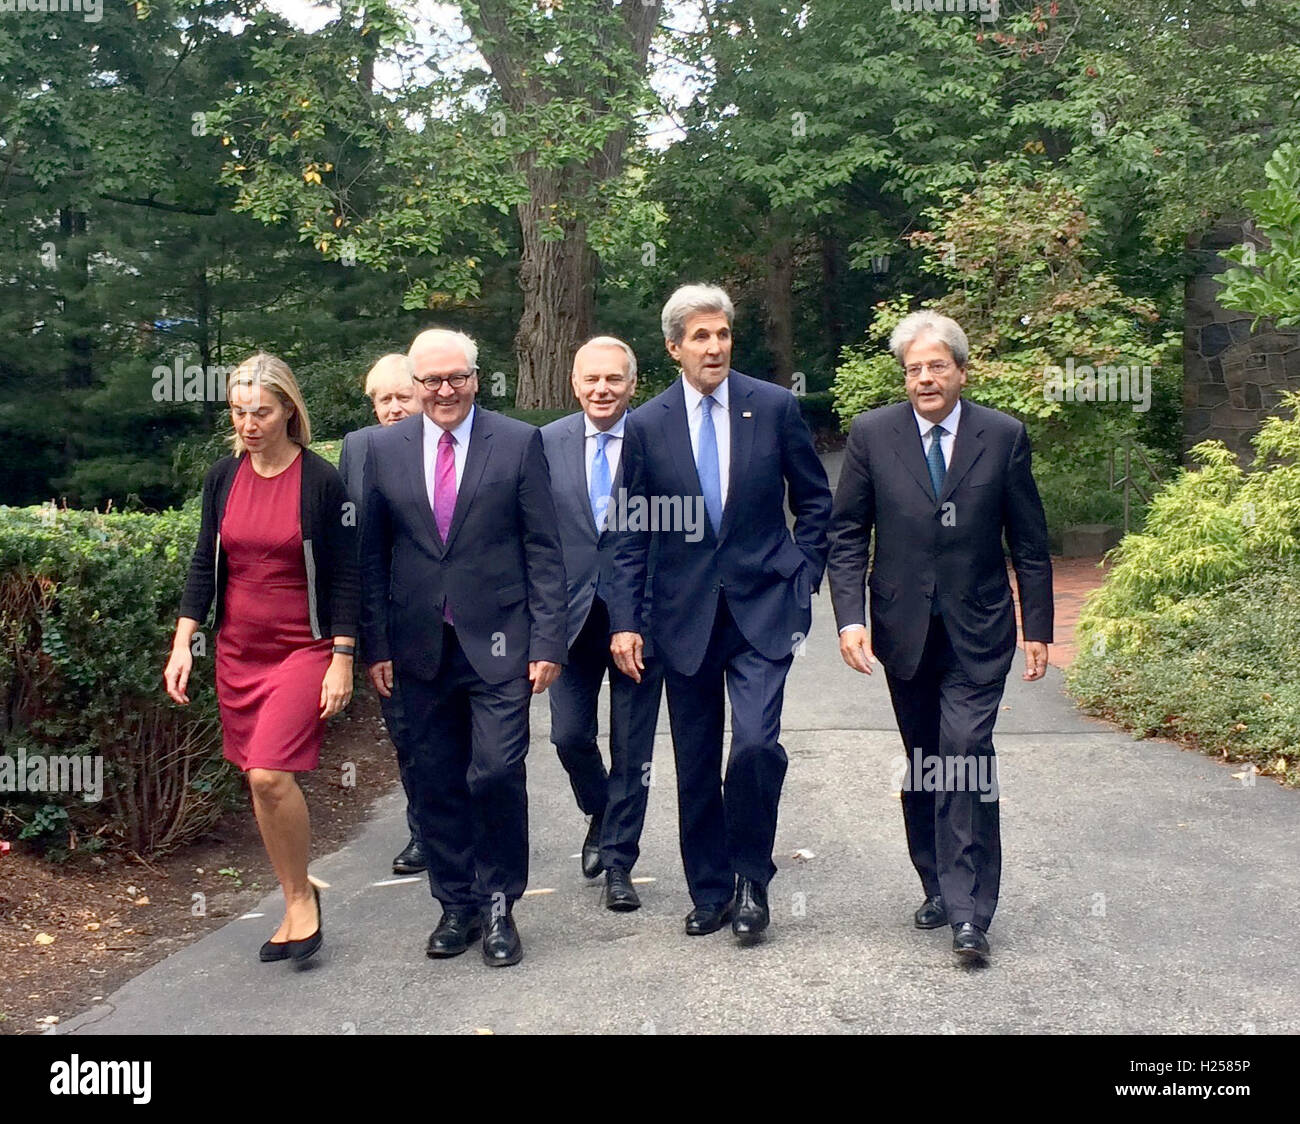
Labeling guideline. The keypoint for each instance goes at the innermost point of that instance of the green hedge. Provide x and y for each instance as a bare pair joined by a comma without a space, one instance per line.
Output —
1195,634
88,603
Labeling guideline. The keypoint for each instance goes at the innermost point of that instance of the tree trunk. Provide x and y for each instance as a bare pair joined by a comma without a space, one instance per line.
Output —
778,286
558,278
832,322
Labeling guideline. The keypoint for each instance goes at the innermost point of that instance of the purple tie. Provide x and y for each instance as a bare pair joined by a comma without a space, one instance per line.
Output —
444,483
444,494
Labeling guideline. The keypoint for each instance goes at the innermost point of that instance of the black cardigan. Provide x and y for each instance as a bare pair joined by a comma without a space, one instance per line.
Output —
329,547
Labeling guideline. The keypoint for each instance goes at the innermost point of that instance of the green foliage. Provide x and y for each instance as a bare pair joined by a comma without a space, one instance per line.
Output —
1201,612
1020,280
1272,287
87,606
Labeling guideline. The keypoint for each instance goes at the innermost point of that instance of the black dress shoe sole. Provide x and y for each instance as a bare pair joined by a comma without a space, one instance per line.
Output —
622,905
409,868
722,920
503,961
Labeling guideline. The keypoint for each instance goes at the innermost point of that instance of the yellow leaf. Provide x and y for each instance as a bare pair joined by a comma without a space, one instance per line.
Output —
43,938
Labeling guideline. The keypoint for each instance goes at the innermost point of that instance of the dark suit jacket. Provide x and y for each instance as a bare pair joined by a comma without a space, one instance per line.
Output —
501,569
352,462
949,547
588,555
768,576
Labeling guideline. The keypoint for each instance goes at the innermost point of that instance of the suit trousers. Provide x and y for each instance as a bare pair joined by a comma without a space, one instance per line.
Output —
467,741
727,829
619,795
392,723
950,805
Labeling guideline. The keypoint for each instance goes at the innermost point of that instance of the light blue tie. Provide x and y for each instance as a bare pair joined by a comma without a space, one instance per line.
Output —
934,459
601,485
706,464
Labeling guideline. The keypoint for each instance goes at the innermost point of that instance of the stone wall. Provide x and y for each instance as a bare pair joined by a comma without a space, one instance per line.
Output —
1232,379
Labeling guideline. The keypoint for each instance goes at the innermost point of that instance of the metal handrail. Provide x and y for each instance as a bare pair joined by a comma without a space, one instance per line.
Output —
1129,484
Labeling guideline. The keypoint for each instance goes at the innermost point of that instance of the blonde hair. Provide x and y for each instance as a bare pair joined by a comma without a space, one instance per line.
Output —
272,372
386,365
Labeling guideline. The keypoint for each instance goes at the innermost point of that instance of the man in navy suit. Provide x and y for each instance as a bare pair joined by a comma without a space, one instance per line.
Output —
731,594
392,396
584,452
463,618
940,480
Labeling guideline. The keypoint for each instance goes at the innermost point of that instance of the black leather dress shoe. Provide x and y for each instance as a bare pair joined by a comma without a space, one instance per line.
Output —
501,944
932,914
620,894
412,859
454,932
968,940
591,864
706,919
750,916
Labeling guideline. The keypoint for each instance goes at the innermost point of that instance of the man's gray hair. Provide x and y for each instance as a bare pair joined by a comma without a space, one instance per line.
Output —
387,366
926,323
691,300
609,341
444,335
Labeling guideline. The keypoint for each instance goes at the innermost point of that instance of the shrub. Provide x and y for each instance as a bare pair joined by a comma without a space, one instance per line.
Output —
88,602
1196,631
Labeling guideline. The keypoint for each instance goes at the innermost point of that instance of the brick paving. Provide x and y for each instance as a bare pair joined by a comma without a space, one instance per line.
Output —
1072,580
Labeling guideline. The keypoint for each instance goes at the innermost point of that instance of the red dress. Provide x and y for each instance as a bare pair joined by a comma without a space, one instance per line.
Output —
269,669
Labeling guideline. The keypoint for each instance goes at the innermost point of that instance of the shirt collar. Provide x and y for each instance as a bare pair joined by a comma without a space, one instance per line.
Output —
949,423
693,396
615,430
461,433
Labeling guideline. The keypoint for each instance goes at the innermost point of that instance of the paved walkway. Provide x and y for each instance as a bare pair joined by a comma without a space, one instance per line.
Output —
1141,893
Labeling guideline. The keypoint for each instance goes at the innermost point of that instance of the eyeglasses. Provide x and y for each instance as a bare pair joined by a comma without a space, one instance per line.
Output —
937,367
434,382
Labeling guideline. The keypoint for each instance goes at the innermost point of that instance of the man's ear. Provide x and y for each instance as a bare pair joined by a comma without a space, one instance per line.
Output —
674,349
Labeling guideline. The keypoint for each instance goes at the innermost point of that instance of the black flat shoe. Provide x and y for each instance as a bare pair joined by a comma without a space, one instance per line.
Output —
750,915
591,864
703,919
412,859
454,932
309,946
969,942
620,895
501,944
933,914
272,951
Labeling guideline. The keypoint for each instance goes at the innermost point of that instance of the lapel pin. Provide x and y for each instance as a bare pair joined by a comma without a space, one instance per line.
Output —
747,414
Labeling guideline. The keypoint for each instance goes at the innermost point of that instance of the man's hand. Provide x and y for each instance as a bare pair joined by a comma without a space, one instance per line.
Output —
855,649
1035,660
381,678
626,648
542,673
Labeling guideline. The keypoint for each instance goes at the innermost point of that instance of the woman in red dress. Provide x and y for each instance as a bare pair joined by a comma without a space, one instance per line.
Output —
277,554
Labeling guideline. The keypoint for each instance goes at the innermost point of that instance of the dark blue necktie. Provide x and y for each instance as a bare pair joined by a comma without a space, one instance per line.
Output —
601,485
707,464
934,459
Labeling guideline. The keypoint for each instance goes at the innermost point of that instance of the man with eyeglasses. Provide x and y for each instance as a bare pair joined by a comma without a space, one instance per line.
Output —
940,480
463,619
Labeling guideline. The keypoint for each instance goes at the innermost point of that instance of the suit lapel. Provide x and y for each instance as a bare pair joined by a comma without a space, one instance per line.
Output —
742,444
966,449
907,445
576,459
414,458
476,457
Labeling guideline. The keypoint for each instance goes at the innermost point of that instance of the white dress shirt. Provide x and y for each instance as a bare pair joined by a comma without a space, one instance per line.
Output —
613,447
950,435
460,447
721,427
